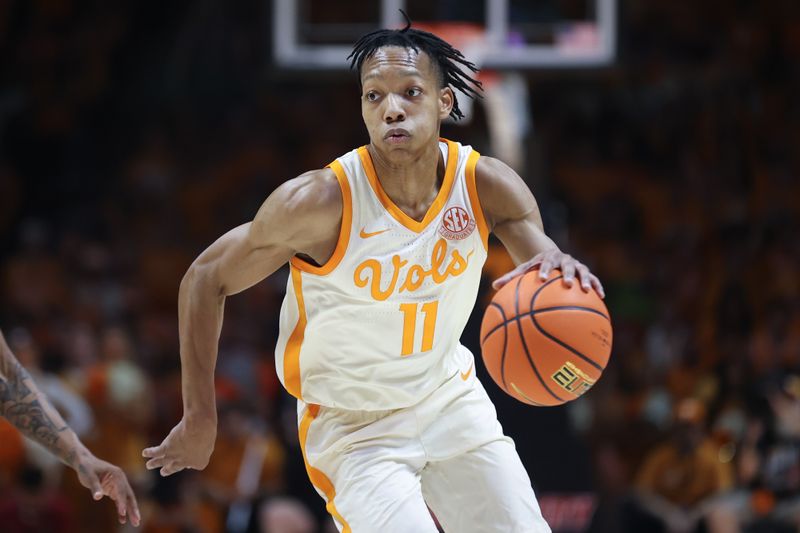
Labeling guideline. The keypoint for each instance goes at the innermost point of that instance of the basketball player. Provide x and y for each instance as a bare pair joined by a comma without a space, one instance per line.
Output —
385,247
31,413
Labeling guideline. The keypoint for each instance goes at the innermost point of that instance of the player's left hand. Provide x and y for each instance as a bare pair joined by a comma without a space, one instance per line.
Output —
105,479
555,258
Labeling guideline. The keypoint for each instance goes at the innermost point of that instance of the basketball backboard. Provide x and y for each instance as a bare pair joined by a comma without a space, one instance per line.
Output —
517,34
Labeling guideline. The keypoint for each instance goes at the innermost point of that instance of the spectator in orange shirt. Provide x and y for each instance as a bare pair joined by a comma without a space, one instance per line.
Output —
679,480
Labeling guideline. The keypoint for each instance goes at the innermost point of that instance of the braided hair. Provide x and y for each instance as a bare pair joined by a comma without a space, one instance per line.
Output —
444,56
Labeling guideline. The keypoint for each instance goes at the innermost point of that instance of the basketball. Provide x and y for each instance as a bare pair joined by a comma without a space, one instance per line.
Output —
545,343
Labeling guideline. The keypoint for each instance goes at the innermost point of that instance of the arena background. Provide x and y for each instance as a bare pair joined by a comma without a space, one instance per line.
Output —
132,134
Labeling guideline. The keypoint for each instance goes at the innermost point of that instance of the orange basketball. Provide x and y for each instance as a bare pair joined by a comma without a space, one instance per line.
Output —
545,343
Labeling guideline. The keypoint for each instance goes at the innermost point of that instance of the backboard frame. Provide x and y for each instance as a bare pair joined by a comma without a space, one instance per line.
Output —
291,54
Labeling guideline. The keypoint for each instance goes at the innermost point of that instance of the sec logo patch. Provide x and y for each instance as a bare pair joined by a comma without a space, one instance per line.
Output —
456,224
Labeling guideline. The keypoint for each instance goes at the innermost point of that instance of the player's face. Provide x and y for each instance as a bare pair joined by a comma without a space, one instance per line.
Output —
401,99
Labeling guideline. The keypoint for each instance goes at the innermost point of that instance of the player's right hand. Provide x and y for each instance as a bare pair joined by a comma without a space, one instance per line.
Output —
186,446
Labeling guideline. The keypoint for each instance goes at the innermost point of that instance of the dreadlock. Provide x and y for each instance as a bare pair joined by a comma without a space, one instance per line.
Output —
446,58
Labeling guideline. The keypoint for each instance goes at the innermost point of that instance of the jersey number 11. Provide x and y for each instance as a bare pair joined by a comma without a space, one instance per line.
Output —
410,325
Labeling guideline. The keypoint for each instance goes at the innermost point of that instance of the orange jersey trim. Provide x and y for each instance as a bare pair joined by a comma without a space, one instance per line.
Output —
291,355
472,190
344,231
317,477
438,202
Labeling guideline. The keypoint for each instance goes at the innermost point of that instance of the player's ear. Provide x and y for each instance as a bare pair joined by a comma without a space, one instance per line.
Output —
446,101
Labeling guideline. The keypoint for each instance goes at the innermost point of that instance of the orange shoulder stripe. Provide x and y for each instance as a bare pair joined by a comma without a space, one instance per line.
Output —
344,230
472,189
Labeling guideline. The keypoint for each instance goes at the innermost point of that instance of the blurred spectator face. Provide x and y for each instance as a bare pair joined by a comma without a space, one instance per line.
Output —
116,346
732,423
286,516
785,403
689,418
81,345
234,422
401,89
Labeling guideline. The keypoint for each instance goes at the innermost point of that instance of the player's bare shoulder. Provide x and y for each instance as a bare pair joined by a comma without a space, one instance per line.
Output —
502,192
304,212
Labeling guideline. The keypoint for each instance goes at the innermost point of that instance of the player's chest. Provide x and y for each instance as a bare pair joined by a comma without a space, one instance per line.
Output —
401,263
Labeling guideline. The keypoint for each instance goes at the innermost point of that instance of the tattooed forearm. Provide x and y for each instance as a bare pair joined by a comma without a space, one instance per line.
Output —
26,408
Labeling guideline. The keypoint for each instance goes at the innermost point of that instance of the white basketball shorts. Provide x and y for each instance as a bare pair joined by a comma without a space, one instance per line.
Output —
380,471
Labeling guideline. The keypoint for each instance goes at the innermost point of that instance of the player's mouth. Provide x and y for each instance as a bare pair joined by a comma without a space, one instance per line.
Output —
396,135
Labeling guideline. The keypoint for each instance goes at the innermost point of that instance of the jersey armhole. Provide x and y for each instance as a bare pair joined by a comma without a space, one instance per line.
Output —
344,230
472,190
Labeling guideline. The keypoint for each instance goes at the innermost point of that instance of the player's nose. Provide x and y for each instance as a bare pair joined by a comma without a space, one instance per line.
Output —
393,109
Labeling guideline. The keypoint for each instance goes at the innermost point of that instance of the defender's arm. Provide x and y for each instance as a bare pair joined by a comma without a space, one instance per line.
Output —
24,405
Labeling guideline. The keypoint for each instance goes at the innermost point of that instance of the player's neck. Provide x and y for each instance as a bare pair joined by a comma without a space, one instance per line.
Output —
413,181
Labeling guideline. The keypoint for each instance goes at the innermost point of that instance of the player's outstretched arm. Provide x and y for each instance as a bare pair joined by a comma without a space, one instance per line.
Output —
301,216
513,215
24,405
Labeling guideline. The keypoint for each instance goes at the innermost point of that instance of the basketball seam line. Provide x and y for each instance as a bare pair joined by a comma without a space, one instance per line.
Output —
564,345
505,345
543,310
522,336
560,342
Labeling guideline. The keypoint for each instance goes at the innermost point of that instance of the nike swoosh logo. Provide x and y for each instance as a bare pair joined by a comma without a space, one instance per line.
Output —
366,235
465,375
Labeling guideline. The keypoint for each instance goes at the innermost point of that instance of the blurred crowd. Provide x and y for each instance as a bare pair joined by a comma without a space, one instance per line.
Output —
132,134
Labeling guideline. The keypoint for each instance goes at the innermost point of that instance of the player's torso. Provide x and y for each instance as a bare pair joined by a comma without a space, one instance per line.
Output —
377,326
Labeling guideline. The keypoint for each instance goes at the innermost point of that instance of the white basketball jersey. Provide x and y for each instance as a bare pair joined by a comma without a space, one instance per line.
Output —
378,326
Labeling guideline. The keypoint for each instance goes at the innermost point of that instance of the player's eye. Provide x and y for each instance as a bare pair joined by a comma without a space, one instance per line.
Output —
371,96
414,92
